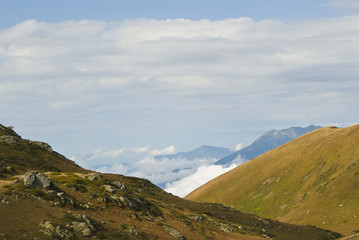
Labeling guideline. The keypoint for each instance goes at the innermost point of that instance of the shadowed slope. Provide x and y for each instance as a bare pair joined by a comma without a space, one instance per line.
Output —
313,179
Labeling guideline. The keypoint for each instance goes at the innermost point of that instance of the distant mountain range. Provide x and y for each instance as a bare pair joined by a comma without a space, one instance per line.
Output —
203,152
267,142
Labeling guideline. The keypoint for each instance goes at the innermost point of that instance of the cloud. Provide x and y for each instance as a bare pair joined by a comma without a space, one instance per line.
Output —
238,147
92,84
141,162
202,175
345,6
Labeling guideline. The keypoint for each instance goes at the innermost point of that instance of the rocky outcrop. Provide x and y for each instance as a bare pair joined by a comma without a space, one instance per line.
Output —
38,180
54,231
174,232
9,139
43,145
119,185
93,176
85,225
109,188
133,230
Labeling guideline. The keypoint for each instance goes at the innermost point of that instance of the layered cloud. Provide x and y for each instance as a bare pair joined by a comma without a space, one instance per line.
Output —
86,85
141,162
345,6
202,175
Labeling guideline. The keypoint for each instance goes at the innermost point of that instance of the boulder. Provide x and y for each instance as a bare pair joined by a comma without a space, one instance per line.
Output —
53,230
38,180
93,176
109,188
174,232
119,185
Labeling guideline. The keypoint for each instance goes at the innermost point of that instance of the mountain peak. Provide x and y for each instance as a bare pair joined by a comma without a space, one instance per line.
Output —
268,141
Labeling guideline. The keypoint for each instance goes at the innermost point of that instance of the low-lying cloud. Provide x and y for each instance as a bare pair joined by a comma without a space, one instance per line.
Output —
202,175
178,176
141,162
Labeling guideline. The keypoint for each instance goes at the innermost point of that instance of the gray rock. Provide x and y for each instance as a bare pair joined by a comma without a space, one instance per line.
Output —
174,232
119,185
93,176
109,188
133,230
9,139
51,230
4,201
38,180
78,226
85,225
43,145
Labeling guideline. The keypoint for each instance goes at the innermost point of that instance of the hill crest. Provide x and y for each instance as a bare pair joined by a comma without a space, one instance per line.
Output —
313,179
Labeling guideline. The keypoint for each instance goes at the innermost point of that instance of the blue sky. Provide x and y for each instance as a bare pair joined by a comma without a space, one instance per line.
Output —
14,12
115,81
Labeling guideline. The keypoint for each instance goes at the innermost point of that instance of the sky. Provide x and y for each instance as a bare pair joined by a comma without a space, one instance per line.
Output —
109,76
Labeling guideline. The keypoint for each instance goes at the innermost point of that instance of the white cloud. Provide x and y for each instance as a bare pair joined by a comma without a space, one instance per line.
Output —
238,147
346,6
169,150
141,162
202,175
93,84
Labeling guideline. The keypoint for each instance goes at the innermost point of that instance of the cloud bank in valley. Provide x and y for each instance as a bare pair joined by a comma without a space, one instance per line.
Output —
202,175
179,176
141,162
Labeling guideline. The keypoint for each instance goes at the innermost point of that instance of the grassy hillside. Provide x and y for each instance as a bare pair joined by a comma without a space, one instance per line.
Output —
22,155
79,204
311,180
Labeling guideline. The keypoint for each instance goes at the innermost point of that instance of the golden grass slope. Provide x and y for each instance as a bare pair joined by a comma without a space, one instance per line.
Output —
313,180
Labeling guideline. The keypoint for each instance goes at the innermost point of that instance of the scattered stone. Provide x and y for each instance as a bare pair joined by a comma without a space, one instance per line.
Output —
109,188
38,180
43,145
119,185
85,225
128,203
174,232
11,140
133,230
53,230
93,176
197,218
4,201
225,228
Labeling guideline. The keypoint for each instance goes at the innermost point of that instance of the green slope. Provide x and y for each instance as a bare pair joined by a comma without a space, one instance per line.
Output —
311,180
80,204
22,155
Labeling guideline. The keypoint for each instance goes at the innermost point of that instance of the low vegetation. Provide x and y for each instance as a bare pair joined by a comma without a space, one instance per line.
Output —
46,196
313,180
